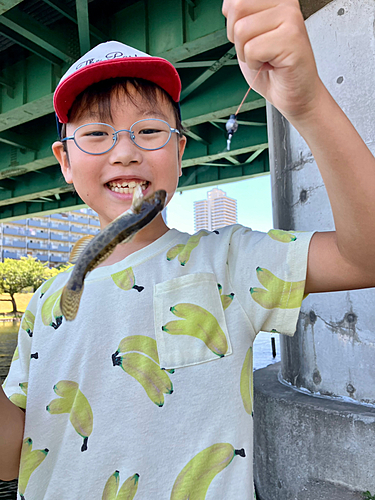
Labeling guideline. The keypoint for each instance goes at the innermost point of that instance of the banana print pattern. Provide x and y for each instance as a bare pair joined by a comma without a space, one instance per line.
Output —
278,294
226,300
184,251
46,285
140,360
126,280
28,322
51,311
200,323
127,490
20,399
195,478
30,460
73,401
246,382
282,236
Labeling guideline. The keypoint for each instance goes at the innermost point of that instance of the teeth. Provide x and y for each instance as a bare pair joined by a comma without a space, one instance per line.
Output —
126,187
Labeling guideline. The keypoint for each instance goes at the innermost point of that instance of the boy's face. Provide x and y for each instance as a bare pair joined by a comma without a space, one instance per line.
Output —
95,177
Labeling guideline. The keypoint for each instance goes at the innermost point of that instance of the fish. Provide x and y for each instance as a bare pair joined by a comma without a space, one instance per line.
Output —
121,230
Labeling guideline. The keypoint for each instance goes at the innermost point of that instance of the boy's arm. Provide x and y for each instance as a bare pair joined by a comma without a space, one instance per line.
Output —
271,34
12,421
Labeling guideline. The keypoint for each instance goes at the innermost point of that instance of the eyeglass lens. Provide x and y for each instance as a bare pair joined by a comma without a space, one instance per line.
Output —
98,138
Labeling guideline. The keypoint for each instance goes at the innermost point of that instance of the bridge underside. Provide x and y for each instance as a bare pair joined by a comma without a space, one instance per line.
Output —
40,39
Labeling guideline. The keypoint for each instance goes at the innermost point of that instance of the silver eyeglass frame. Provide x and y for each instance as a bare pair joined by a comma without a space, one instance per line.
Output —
116,132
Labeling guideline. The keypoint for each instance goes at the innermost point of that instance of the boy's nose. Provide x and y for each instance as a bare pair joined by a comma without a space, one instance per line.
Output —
125,151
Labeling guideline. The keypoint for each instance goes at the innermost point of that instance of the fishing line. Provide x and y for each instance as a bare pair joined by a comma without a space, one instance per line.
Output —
232,124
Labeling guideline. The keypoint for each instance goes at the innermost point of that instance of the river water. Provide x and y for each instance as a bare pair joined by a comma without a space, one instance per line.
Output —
8,340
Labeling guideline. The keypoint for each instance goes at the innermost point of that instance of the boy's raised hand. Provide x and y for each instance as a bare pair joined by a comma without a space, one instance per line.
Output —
271,34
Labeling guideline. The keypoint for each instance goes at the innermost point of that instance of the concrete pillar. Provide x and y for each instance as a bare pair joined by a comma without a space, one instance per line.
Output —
332,353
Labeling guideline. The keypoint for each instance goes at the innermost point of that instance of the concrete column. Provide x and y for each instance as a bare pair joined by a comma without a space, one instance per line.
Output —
333,351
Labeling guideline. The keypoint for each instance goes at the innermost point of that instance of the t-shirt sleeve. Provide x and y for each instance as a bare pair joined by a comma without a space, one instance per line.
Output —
15,384
268,273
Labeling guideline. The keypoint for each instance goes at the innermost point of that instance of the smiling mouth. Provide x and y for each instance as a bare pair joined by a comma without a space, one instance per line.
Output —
126,187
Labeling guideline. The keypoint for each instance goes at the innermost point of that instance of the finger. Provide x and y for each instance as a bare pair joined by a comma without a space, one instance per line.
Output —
250,27
234,10
278,48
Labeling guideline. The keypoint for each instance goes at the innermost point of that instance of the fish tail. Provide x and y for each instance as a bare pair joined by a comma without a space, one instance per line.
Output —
69,302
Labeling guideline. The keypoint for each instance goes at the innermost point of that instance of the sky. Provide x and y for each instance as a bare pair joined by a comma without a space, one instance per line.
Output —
254,206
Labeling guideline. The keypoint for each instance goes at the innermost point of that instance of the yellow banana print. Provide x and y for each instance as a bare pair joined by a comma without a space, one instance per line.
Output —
27,323
199,323
30,460
282,236
111,487
152,378
140,343
226,300
51,311
195,478
126,280
20,399
279,294
174,251
74,402
15,355
129,488
46,285
246,382
184,251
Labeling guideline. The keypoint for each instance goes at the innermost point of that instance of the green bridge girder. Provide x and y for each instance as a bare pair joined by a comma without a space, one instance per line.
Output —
39,39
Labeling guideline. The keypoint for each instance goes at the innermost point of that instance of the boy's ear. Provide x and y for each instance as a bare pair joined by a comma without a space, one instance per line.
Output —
181,149
62,157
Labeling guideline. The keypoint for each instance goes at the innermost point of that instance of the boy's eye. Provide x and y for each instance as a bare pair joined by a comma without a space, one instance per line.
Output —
96,133
147,131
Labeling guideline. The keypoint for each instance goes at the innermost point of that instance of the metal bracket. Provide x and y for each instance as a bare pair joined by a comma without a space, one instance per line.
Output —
191,9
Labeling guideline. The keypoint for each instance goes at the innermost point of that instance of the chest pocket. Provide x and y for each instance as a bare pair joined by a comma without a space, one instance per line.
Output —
190,325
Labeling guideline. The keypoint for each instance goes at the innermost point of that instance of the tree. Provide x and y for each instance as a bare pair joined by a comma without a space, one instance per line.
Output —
16,275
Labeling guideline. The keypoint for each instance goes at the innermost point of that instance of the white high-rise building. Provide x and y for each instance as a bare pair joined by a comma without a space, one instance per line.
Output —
218,210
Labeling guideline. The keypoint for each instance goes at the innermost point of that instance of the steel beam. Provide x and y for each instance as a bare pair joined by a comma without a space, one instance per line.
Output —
17,140
26,27
255,155
71,15
208,73
195,47
27,44
243,122
34,186
27,112
204,175
212,117
6,5
212,157
83,25
68,201
202,64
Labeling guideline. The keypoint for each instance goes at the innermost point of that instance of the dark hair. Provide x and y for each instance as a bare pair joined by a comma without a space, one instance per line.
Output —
97,99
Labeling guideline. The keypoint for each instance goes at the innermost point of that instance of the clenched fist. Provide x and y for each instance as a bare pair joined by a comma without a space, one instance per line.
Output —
271,35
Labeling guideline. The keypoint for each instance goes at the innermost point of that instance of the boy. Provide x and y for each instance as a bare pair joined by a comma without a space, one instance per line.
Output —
148,391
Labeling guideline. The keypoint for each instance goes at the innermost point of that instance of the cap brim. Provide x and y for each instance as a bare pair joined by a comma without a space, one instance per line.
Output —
154,69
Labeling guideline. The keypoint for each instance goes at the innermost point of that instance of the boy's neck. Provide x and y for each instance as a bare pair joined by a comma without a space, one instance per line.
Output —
142,239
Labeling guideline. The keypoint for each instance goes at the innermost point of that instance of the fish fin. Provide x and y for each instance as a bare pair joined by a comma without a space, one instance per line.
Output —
79,247
69,302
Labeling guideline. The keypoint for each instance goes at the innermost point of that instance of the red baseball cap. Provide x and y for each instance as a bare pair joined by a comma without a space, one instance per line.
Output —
113,60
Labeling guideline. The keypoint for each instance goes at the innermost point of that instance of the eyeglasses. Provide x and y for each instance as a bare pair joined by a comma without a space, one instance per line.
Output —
99,138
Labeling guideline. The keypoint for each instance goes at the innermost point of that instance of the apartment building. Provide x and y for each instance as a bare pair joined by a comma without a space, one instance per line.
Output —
48,238
218,210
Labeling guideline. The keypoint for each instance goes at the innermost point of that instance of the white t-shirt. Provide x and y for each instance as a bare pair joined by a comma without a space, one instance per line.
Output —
149,389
